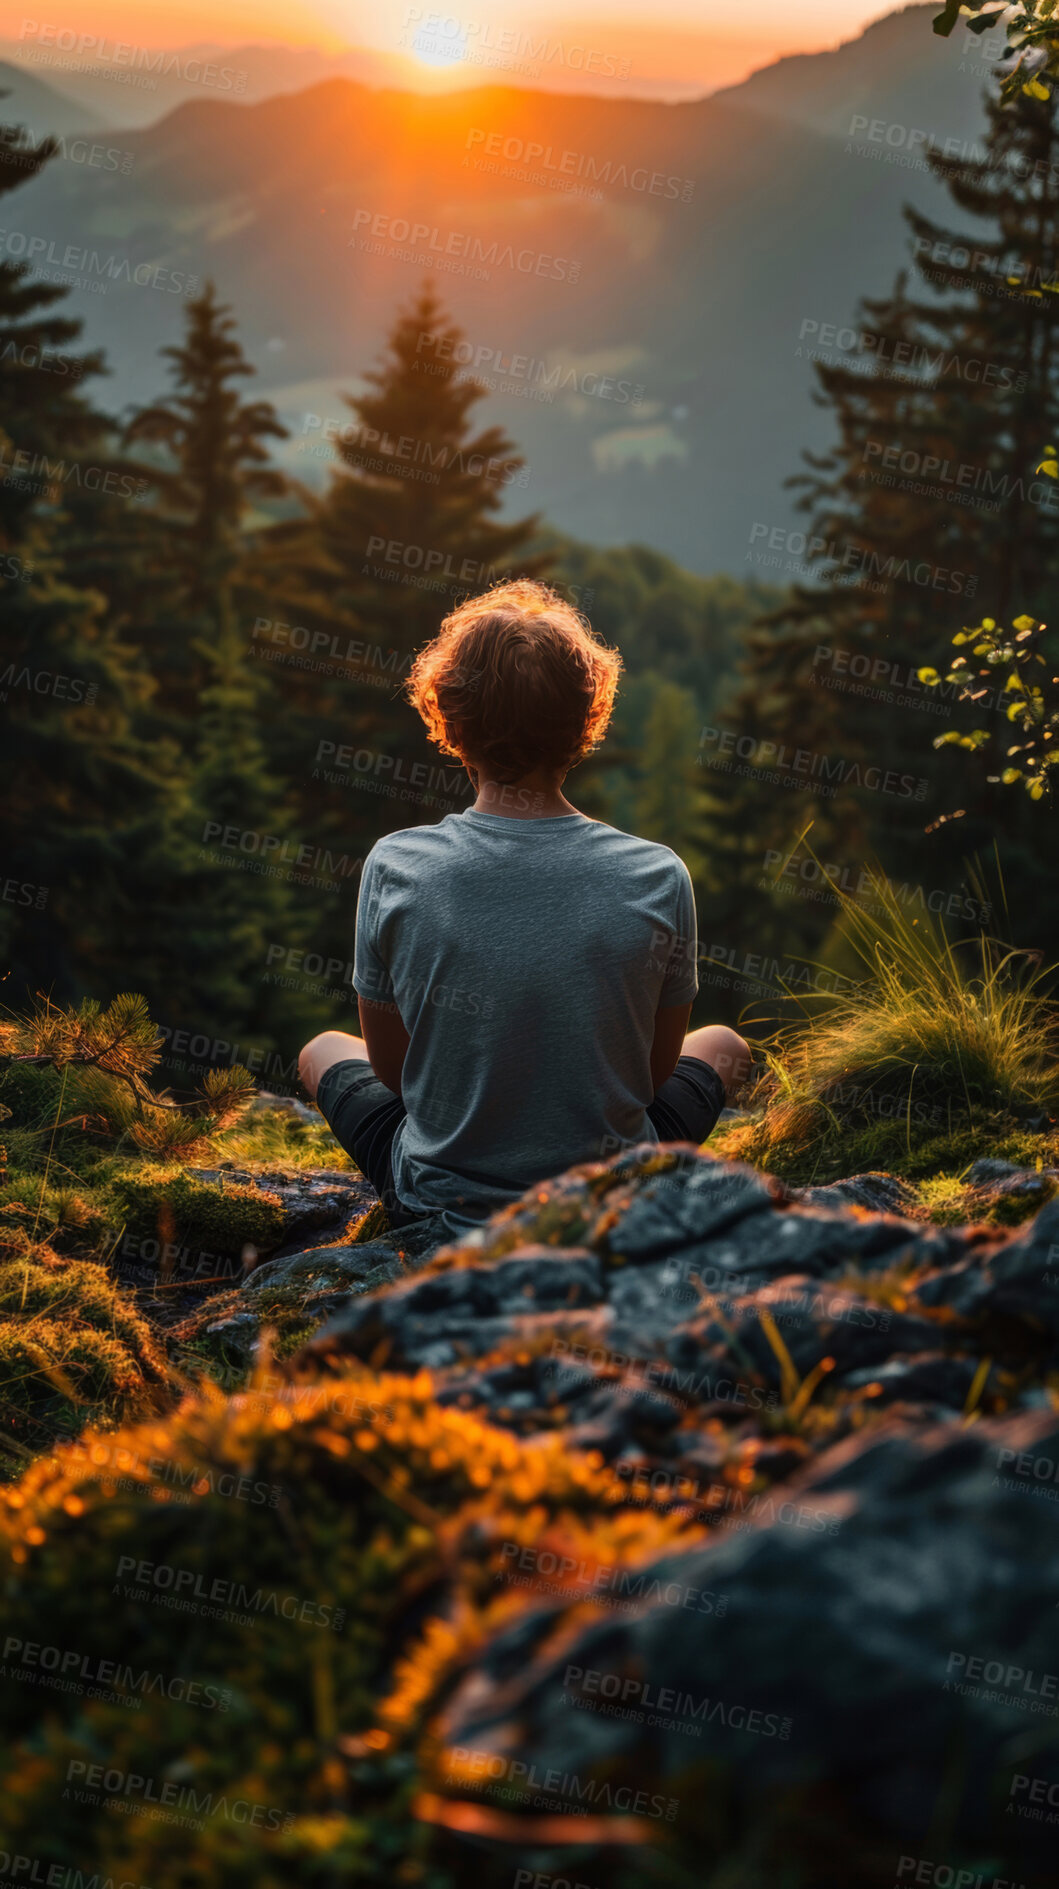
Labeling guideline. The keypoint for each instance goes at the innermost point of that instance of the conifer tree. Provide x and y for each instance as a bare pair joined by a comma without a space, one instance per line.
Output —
234,901
928,509
418,492
87,798
190,553
43,411
671,805
408,525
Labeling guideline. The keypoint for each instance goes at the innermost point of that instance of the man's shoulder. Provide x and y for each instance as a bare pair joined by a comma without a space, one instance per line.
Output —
411,845
650,856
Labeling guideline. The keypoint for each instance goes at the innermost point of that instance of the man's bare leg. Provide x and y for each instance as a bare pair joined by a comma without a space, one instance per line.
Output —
726,1052
330,1047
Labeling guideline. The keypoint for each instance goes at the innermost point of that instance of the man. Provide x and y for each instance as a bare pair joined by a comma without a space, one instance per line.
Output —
524,974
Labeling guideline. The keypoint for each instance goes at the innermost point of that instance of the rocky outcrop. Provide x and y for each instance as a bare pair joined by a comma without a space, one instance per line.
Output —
686,1527
886,1632
850,1399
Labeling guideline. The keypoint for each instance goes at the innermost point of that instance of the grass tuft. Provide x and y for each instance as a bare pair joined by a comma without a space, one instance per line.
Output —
941,1050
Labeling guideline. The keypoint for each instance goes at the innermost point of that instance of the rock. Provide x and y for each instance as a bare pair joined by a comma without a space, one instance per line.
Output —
985,1171
840,1652
1017,1279
813,1322
697,1201
654,1262
436,1316
418,1241
266,1103
879,1193
311,1200
927,1377
322,1268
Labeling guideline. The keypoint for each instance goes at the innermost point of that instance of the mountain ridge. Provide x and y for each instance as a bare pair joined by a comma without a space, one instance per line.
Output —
687,248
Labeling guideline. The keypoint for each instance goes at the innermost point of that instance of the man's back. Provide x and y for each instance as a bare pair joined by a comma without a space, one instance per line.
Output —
527,959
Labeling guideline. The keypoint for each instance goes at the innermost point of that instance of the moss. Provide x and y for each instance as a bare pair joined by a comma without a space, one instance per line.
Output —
69,1216
815,1148
948,1201
32,1093
281,1507
371,1225
219,1217
943,1198
58,1111
275,1138
72,1346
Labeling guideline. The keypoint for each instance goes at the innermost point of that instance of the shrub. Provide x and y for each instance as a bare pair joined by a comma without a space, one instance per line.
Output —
101,1060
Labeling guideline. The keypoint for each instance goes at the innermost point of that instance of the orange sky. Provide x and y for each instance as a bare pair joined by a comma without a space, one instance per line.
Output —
714,42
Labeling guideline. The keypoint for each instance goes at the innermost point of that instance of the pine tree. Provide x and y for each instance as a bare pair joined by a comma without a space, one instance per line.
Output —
927,511
189,555
418,491
88,799
238,899
43,412
415,498
671,805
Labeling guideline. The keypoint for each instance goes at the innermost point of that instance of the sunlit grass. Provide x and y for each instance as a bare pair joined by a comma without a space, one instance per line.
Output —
940,1040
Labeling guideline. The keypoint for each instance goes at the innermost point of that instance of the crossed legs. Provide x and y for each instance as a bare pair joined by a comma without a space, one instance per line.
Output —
714,1043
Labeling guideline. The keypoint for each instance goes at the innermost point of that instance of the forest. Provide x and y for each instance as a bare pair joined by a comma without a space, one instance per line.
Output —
689,1521
216,650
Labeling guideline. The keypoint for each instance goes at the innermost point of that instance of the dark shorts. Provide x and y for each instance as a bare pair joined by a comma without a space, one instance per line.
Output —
364,1115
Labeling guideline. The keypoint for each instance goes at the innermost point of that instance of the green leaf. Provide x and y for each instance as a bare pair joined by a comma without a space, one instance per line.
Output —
1025,624
944,22
1035,788
929,676
1010,775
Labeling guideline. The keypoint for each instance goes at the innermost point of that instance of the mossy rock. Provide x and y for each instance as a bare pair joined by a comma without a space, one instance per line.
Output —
255,1566
222,1217
949,1201
72,1348
291,1297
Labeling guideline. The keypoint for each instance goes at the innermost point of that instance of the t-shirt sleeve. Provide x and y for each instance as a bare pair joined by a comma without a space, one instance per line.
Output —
680,981
371,976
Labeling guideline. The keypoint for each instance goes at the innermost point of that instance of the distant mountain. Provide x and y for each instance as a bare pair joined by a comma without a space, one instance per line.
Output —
642,284
138,88
27,100
897,73
122,90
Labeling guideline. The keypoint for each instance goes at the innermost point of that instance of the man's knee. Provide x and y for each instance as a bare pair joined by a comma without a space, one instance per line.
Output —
306,1065
724,1049
331,1046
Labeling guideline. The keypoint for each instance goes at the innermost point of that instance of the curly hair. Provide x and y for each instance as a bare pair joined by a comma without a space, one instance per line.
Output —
515,680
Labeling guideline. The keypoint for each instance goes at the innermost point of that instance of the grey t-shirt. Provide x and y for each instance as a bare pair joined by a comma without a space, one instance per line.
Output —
527,960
